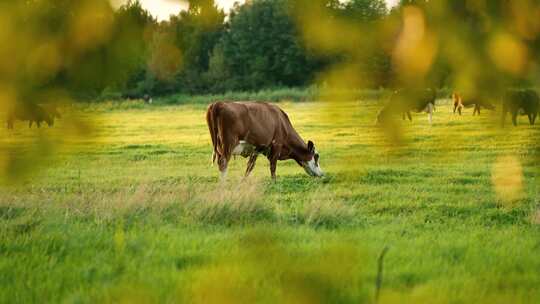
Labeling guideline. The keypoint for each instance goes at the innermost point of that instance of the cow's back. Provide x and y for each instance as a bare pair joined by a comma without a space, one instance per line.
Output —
256,123
527,100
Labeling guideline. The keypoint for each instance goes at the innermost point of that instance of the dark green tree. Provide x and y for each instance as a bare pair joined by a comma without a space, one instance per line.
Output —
261,48
130,46
195,33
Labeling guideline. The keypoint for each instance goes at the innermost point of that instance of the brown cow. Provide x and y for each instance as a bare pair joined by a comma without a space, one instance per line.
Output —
30,112
478,104
249,129
407,100
524,102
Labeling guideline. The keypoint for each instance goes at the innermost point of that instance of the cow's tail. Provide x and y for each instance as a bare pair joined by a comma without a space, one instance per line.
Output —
211,120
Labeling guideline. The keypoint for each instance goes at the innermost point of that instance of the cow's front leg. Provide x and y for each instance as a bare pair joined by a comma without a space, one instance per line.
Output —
274,156
514,117
251,163
273,166
430,109
409,115
223,163
531,121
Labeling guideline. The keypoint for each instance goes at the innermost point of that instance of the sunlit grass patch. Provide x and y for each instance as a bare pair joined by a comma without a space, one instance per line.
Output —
231,204
322,209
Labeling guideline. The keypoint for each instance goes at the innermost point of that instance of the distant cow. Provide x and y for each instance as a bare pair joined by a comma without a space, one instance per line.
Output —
249,129
405,101
524,102
460,103
147,98
32,113
133,96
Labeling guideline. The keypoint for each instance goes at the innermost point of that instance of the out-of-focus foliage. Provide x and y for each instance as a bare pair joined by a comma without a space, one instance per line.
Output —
91,49
346,34
467,44
486,45
51,51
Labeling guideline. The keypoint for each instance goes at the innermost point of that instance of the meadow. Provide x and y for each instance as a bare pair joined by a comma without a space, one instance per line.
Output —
134,212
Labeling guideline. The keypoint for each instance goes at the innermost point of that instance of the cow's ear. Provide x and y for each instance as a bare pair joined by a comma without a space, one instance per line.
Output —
311,147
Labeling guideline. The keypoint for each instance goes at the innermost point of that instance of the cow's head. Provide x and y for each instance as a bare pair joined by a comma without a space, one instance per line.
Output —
311,165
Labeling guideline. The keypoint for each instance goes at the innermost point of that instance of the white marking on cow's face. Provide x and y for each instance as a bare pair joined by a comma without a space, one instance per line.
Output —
312,166
243,148
223,175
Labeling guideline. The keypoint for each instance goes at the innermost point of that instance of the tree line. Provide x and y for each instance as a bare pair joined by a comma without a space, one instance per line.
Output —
257,45
89,49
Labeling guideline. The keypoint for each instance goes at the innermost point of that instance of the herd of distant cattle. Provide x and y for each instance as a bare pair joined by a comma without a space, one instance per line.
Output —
515,102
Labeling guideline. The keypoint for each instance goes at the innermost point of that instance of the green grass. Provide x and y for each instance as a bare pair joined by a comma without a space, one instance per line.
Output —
134,212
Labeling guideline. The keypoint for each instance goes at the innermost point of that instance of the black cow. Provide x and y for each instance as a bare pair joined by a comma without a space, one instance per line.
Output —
524,102
407,100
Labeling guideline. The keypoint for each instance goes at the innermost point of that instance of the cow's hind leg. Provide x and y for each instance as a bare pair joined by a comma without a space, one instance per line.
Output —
251,164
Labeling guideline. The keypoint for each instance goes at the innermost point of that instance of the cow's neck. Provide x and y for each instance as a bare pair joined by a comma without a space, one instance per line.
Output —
298,148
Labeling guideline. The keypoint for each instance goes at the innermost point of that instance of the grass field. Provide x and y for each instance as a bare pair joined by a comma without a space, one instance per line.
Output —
134,213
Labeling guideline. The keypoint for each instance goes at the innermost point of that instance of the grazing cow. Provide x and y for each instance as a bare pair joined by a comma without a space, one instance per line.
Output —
249,129
459,104
147,98
524,102
31,113
134,96
405,101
